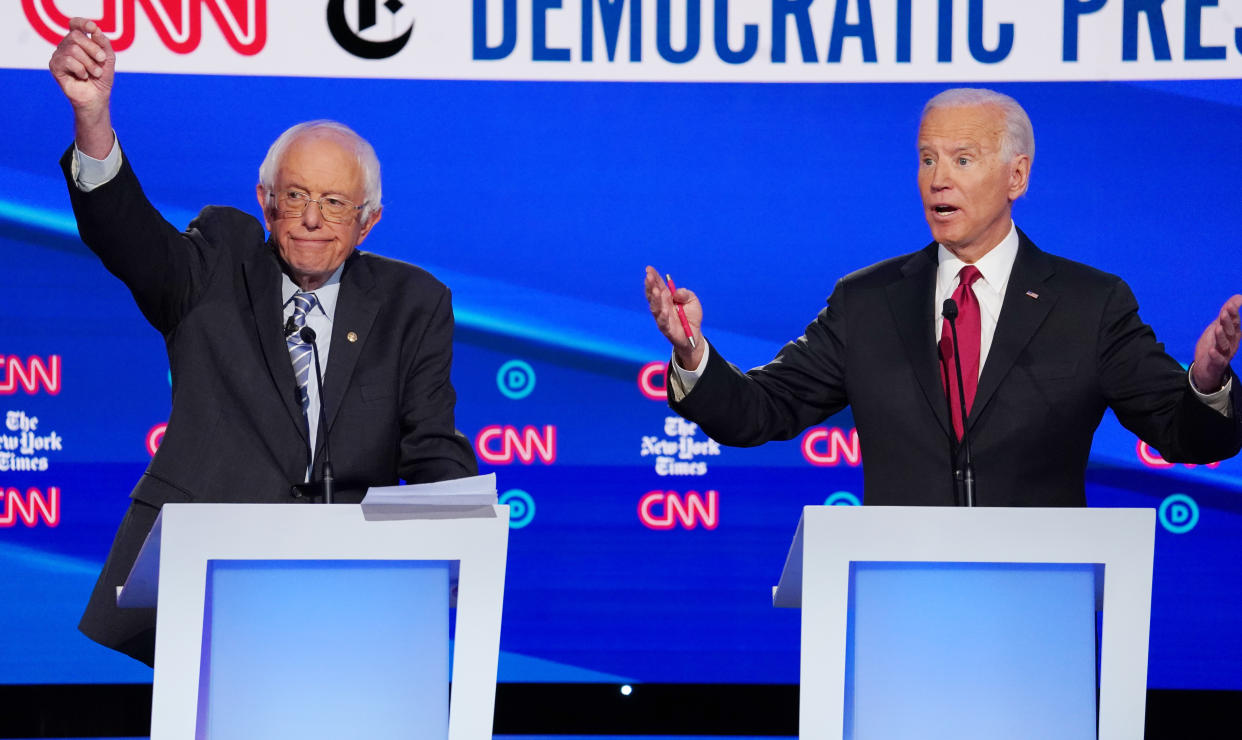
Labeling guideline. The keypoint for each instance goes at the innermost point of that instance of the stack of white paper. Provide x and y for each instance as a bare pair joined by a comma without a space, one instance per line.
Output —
473,496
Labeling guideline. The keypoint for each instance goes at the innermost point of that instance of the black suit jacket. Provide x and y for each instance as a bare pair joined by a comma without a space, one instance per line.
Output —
236,431
1069,344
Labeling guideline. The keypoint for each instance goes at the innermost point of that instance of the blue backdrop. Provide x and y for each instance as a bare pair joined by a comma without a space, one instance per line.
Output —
540,204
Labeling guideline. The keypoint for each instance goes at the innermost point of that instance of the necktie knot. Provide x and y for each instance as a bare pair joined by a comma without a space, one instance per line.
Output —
300,351
303,303
968,275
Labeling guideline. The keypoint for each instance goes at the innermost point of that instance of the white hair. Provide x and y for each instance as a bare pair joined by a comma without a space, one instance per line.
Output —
1019,136
363,151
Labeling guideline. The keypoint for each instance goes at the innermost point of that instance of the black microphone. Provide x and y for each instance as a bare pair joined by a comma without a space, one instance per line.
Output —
290,327
964,476
308,335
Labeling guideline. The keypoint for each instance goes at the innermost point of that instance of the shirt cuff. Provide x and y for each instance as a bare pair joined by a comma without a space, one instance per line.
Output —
1218,401
682,381
90,173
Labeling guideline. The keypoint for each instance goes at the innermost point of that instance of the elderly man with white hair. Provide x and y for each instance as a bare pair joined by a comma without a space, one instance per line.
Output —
233,306
1046,345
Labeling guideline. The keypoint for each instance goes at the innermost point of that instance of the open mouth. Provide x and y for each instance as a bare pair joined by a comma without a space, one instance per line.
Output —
943,210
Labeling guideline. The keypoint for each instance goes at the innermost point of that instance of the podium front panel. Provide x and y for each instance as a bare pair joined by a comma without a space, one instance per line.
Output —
217,548
966,651
1117,544
378,668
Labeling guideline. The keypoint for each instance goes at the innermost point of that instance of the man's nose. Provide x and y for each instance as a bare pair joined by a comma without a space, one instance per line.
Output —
940,178
312,217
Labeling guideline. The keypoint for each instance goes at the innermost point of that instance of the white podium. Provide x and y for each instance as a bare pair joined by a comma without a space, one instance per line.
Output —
958,623
306,621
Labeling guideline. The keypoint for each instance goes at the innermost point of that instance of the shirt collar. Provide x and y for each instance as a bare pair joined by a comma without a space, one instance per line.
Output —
325,294
995,266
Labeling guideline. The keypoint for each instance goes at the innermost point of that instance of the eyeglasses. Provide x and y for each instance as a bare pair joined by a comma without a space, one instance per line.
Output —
292,203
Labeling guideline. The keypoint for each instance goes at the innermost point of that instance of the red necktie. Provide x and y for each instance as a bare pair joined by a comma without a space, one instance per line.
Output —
968,330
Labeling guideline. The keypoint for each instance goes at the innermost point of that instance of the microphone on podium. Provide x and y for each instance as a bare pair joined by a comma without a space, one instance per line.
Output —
308,335
965,475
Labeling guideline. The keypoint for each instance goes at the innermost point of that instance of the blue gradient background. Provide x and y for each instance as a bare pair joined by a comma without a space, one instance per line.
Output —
540,204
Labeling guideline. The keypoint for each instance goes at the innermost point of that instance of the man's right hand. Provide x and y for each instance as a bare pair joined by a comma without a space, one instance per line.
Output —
83,65
663,303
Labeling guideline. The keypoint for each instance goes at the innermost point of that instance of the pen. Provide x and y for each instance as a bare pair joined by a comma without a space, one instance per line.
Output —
680,311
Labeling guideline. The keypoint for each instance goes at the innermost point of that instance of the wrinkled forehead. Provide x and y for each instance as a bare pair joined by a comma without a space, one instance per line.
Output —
962,125
320,157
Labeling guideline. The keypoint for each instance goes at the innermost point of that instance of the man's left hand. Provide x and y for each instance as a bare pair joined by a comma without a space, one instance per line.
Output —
1217,347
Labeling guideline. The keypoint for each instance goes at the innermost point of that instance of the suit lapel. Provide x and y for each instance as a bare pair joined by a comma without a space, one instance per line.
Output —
1028,299
910,299
356,307
262,276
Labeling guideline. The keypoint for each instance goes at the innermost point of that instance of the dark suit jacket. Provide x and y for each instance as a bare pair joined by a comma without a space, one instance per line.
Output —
236,430
1069,344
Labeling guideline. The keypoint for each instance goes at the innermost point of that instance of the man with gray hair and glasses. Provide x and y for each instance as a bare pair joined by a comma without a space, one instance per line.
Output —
1044,346
232,306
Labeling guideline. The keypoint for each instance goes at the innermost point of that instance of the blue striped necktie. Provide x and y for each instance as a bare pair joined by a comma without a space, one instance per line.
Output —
299,351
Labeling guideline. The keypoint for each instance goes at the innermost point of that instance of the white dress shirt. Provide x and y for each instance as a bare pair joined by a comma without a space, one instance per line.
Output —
989,290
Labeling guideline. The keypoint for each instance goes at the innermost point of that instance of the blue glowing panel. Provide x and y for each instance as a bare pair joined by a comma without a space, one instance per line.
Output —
977,651
325,649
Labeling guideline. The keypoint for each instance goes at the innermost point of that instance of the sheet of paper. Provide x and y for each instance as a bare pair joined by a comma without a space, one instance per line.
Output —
478,490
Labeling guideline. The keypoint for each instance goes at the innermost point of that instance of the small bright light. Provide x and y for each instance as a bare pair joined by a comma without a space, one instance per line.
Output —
626,690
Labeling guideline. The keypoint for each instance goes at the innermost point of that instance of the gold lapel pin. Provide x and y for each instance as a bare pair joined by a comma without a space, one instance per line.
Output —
352,336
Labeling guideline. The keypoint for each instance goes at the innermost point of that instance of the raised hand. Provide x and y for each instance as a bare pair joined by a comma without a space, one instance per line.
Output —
663,309
83,64
1217,347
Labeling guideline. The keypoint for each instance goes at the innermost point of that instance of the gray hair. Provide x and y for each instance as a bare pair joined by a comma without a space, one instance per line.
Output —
363,151
1019,136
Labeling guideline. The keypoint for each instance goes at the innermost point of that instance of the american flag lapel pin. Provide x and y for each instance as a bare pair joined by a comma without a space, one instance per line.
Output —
1032,294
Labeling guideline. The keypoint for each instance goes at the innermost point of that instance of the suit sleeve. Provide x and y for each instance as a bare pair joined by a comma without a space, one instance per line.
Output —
803,385
431,447
164,268
1150,391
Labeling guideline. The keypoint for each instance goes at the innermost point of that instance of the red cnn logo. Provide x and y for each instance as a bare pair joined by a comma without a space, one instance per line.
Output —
154,436
1152,459
29,509
829,447
665,509
499,445
36,371
178,22
652,381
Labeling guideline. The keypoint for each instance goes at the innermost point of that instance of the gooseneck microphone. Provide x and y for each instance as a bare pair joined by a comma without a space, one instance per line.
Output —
965,475
308,335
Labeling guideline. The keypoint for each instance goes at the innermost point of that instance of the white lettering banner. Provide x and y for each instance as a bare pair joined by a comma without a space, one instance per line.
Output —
656,40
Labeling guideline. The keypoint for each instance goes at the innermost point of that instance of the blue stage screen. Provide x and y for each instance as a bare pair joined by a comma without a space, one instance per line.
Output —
539,204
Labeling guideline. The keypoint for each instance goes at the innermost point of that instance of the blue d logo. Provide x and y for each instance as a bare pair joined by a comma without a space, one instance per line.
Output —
1178,513
516,379
842,498
521,507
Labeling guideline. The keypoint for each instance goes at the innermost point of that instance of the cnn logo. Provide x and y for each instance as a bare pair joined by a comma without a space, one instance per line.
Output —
501,445
830,447
30,508
30,375
178,23
669,509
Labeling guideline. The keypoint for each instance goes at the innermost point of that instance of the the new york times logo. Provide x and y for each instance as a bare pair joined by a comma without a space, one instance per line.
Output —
367,14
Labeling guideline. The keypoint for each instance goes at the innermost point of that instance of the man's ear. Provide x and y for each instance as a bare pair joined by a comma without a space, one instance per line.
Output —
371,221
260,192
1019,176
